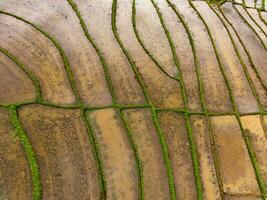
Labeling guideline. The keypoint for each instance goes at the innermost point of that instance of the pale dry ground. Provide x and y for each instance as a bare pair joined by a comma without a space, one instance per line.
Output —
133,99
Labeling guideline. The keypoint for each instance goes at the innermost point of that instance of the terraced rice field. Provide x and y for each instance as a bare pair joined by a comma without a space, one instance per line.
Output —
133,99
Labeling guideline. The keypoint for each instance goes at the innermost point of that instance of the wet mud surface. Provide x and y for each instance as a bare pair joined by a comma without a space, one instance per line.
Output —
149,100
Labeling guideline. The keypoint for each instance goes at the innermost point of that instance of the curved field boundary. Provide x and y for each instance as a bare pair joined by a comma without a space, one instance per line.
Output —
201,91
254,20
240,60
192,144
29,74
79,103
152,108
247,52
114,99
247,140
90,39
37,192
37,189
60,49
144,47
137,157
260,182
261,9
249,26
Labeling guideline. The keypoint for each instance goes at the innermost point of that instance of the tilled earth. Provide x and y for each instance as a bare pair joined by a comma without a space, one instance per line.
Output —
133,99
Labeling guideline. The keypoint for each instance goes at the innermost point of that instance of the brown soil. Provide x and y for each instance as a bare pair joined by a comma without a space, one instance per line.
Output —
239,84
119,117
228,197
175,133
115,150
149,150
252,23
39,55
56,18
238,176
15,175
261,92
60,141
217,98
126,86
163,91
184,54
252,43
203,140
254,129
153,36
15,86
254,14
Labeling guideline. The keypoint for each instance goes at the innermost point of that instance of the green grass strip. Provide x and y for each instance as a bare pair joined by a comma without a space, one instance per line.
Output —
60,49
99,53
254,20
94,144
245,49
202,94
93,108
260,180
244,67
256,168
138,160
261,18
29,74
153,111
147,51
196,63
247,141
78,99
249,25
263,5
192,144
37,190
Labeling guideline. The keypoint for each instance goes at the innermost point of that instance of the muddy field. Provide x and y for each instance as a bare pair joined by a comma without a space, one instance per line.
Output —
133,99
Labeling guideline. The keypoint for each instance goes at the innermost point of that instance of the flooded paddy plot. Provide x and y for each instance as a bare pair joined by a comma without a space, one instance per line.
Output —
246,17
249,3
255,16
153,36
254,129
264,16
260,91
233,197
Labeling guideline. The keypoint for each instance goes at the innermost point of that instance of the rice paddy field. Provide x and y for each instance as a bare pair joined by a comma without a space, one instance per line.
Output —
133,100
